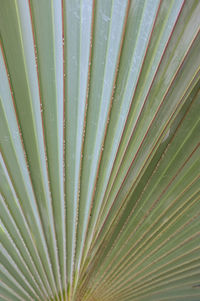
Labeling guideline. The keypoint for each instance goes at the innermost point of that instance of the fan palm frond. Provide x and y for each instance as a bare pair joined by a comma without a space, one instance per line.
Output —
100,150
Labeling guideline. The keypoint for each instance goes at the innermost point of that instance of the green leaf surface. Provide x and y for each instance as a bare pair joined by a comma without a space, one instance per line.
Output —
100,150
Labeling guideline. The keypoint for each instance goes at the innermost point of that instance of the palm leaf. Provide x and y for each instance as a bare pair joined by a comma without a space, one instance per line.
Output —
100,150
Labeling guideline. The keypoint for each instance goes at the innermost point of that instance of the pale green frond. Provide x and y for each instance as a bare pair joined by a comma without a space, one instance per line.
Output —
100,150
